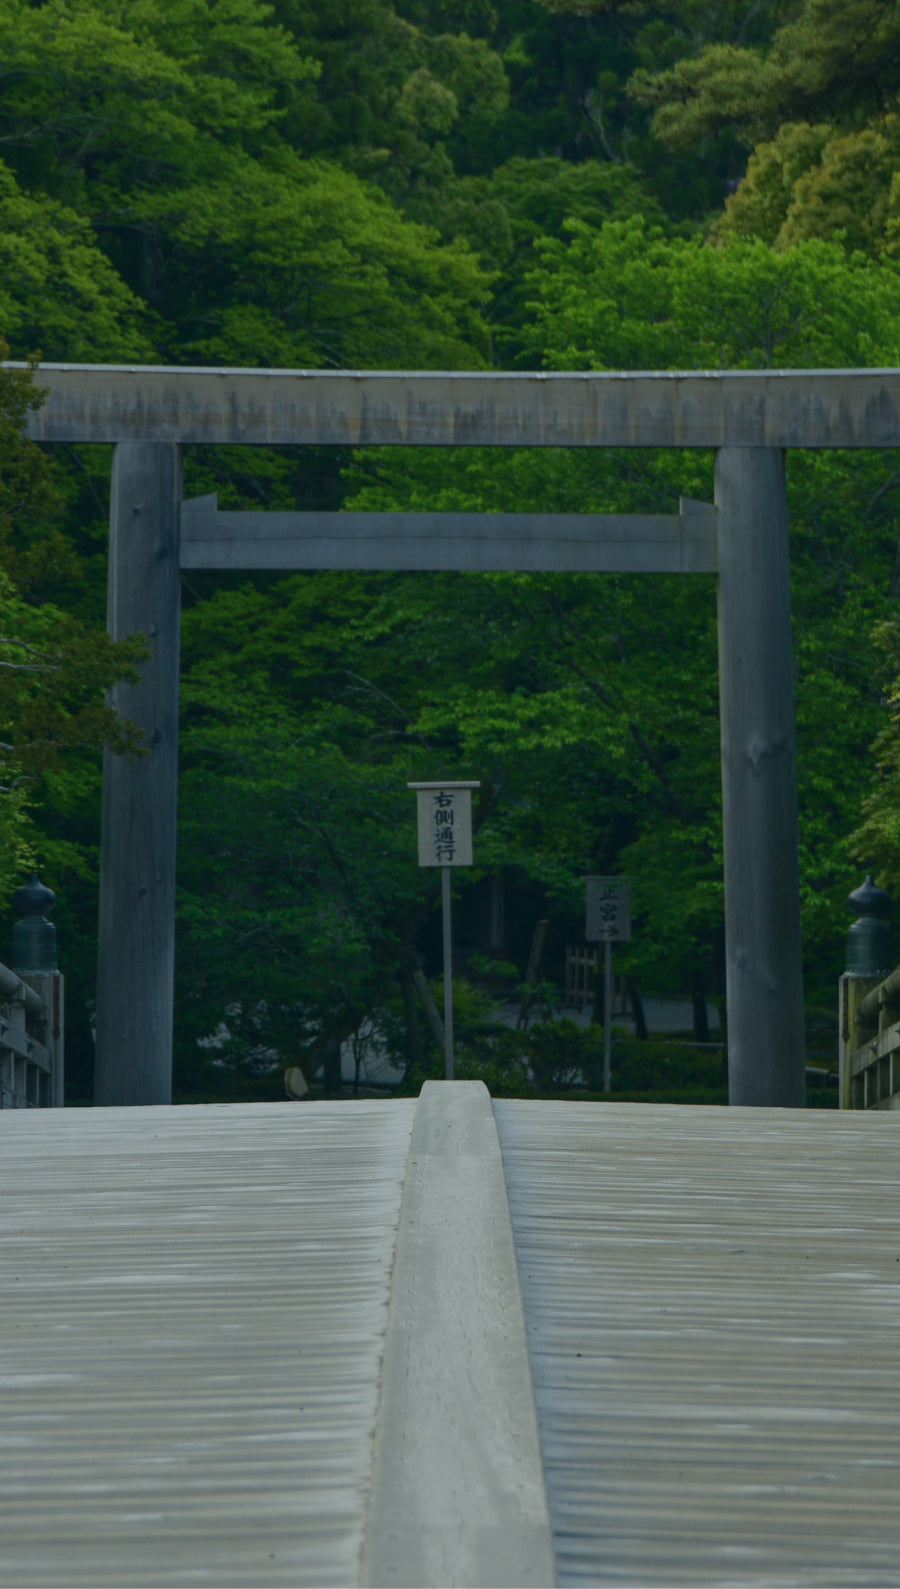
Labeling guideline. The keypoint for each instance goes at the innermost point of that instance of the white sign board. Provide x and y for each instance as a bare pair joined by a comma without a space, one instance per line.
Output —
608,910
445,823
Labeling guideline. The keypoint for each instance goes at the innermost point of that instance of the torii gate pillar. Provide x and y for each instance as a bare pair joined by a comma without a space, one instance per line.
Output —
764,977
140,798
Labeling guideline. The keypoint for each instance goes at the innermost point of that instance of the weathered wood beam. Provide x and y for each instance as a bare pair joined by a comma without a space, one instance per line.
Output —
135,977
705,408
764,978
521,542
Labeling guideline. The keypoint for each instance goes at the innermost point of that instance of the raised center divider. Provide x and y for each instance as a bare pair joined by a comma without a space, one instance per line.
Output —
458,1493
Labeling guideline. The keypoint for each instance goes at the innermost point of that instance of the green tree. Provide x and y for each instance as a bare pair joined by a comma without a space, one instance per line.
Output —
303,885
54,671
290,892
321,270
160,141
58,290
817,108
390,183
405,95
614,679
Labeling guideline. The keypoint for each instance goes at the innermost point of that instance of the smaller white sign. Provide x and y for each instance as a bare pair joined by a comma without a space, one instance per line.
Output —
608,910
445,823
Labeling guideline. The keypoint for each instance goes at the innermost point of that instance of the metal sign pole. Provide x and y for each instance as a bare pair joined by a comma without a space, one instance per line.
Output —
448,973
607,1015
607,921
445,840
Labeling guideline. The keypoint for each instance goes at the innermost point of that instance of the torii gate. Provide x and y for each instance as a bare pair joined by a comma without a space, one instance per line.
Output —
748,417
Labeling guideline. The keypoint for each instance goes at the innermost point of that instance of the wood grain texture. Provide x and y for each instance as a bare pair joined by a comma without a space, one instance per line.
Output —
523,542
712,1299
766,1040
136,948
695,408
193,1306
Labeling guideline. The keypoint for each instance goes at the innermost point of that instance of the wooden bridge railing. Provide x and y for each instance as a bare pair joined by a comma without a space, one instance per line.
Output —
870,1043
31,1007
582,966
31,1049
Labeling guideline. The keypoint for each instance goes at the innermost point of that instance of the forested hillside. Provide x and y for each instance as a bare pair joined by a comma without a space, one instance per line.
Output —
573,184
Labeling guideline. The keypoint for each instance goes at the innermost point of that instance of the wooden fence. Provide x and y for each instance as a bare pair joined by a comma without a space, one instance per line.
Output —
869,1050
582,967
31,1040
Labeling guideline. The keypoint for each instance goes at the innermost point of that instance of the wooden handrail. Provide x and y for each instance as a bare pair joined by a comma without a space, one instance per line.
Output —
887,992
12,987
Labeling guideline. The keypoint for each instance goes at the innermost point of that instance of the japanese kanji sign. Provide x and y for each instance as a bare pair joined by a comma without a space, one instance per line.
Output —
445,823
608,909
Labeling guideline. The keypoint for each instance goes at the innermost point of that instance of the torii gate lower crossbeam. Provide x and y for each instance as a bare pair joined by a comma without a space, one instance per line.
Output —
746,536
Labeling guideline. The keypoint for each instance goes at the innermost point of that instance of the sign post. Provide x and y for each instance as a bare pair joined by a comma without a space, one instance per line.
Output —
608,921
445,840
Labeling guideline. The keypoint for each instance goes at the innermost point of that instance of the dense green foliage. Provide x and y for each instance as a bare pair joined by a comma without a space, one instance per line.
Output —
54,669
440,183
816,102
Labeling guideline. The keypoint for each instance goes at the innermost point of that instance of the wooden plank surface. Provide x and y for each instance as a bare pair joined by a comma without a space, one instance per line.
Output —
192,1310
194,1305
712,1299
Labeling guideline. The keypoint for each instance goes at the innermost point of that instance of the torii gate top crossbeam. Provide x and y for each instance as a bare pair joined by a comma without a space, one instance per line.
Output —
753,408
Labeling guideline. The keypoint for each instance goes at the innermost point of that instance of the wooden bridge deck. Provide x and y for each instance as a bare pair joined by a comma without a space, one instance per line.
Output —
713,1300
192,1314
284,1345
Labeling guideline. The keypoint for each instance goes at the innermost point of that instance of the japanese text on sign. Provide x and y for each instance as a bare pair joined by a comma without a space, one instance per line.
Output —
608,910
444,831
445,825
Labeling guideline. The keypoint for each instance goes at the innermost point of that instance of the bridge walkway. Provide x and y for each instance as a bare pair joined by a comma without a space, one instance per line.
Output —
712,1299
441,1342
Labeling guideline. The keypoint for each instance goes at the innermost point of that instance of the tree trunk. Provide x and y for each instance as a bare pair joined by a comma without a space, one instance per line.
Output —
437,1026
637,1010
411,1013
698,999
597,1007
331,1068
